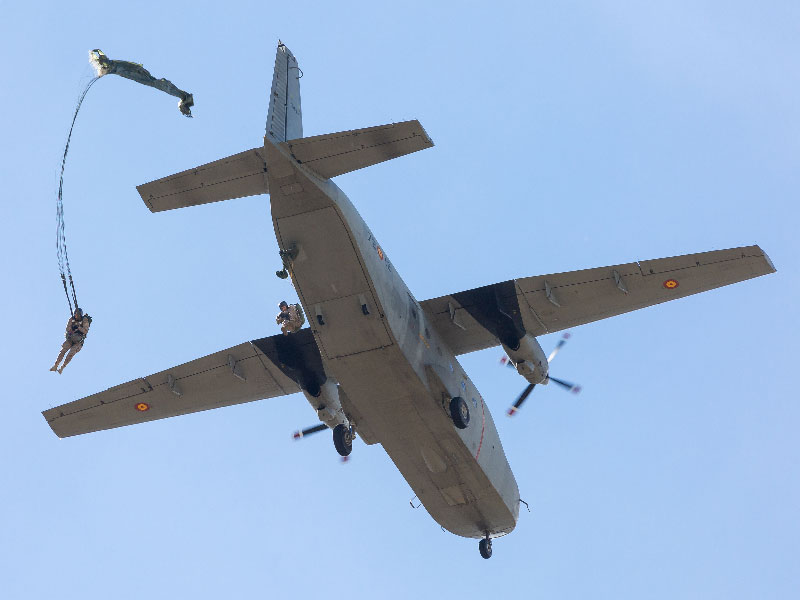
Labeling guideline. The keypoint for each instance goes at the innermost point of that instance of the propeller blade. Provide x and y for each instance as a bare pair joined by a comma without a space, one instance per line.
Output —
522,397
558,347
507,362
571,387
309,430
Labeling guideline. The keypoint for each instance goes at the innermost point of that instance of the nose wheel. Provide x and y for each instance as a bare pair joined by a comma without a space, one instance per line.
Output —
485,547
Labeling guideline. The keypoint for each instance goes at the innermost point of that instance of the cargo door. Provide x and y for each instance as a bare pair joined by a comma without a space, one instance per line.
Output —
336,295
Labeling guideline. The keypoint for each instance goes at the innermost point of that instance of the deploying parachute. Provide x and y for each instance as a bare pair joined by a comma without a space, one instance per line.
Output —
136,72
103,66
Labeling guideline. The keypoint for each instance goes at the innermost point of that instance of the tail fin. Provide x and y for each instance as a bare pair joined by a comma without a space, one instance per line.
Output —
285,119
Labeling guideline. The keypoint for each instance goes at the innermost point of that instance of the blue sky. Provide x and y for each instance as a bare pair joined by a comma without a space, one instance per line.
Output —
568,136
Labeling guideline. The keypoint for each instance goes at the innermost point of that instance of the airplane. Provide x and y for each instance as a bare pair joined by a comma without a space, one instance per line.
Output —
375,362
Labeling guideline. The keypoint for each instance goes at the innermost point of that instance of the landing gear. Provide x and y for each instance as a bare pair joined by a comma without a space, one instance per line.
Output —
459,412
343,440
485,547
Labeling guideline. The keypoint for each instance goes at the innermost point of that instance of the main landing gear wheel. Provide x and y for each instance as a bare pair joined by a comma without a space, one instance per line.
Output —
459,412
343,440
485,547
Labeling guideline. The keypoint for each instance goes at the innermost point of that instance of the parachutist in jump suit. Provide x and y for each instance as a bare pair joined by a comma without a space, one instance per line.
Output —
136,72
77,329
289,318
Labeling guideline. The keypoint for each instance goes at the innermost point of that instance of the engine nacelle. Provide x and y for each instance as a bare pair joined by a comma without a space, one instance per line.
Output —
529,359
327,404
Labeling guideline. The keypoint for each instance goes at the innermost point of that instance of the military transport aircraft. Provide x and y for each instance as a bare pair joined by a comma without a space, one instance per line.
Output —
375,361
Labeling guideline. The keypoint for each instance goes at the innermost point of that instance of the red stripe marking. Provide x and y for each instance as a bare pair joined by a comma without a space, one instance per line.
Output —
483,428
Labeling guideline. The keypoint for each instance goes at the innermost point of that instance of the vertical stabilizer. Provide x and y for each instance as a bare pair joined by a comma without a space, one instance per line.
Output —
285,119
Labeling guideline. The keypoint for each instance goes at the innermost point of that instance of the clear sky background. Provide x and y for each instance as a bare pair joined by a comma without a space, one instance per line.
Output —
568,135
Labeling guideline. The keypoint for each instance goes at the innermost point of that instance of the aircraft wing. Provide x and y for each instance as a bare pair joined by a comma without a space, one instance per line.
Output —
265,368
480,318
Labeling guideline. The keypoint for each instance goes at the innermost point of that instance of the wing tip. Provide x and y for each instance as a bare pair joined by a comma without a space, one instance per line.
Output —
51,423
145,196
770,264
428,139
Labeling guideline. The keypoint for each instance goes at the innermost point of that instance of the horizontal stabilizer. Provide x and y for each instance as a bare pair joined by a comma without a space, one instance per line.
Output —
338,153
240,175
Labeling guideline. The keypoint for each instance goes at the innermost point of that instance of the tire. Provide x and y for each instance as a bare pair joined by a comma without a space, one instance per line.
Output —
342,440
485,548
459,412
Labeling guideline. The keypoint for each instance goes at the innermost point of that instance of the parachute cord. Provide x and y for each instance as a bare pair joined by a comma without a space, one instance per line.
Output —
64,281
61,240
74,297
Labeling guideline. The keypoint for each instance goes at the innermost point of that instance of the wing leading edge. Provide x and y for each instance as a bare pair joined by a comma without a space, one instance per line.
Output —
265,368
474,320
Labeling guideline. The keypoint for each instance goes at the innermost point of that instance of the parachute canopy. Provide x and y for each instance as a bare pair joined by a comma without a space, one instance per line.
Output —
136,72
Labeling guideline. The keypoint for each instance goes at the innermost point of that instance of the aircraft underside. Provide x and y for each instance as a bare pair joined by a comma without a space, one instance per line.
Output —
366,350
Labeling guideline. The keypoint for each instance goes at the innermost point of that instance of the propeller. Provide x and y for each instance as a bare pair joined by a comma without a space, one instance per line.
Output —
522,397
571,387
309,430
559,346
315,429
